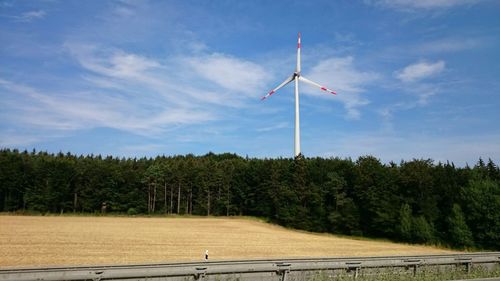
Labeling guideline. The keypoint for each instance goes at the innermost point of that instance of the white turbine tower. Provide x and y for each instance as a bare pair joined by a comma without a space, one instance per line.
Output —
296,76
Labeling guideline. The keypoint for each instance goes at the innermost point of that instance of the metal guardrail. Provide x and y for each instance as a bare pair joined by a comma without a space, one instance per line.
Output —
481,279
279,268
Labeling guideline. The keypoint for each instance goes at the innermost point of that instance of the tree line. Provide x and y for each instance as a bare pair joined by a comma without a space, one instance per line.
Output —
415,201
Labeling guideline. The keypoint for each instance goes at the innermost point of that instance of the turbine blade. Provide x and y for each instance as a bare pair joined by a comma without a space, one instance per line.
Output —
288,80
302,78
298,54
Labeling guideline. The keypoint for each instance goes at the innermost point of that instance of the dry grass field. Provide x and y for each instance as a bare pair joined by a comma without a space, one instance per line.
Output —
53,240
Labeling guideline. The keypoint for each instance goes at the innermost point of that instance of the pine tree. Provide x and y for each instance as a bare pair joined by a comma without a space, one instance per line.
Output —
482,199
423,232
405,222
459,233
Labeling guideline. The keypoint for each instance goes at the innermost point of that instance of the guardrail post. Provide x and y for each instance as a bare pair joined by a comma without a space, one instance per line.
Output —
283,270
467,262
354,266
414,263
200,273
98,275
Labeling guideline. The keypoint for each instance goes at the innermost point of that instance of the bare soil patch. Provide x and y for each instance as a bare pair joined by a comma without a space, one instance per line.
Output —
41,241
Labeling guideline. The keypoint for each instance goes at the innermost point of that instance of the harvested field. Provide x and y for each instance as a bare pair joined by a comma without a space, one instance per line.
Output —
40,241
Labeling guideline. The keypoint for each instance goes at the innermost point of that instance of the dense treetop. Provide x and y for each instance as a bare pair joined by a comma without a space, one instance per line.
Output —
415,201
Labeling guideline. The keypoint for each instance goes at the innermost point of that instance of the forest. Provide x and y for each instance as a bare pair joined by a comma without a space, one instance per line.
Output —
415,201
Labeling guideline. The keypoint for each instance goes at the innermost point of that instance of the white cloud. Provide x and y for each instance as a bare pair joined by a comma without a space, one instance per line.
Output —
420,70
30,16
341,75
421,4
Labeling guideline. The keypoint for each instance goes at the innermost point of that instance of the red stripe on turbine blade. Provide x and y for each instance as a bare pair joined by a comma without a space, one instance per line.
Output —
298,45
333,93
271,92
323,88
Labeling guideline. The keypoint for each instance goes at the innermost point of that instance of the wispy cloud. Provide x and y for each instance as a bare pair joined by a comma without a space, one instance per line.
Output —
420,70
238,76
112,62
421,4
413,80
278,126
30,16
182,80
130,92
340,74
6,4
448,45
84,110
141,149
123,11
461,149
18,139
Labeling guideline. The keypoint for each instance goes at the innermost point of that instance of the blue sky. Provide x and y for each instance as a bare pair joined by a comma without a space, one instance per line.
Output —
415,79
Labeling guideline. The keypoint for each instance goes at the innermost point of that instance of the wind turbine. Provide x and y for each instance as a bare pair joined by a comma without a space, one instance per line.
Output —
296,76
